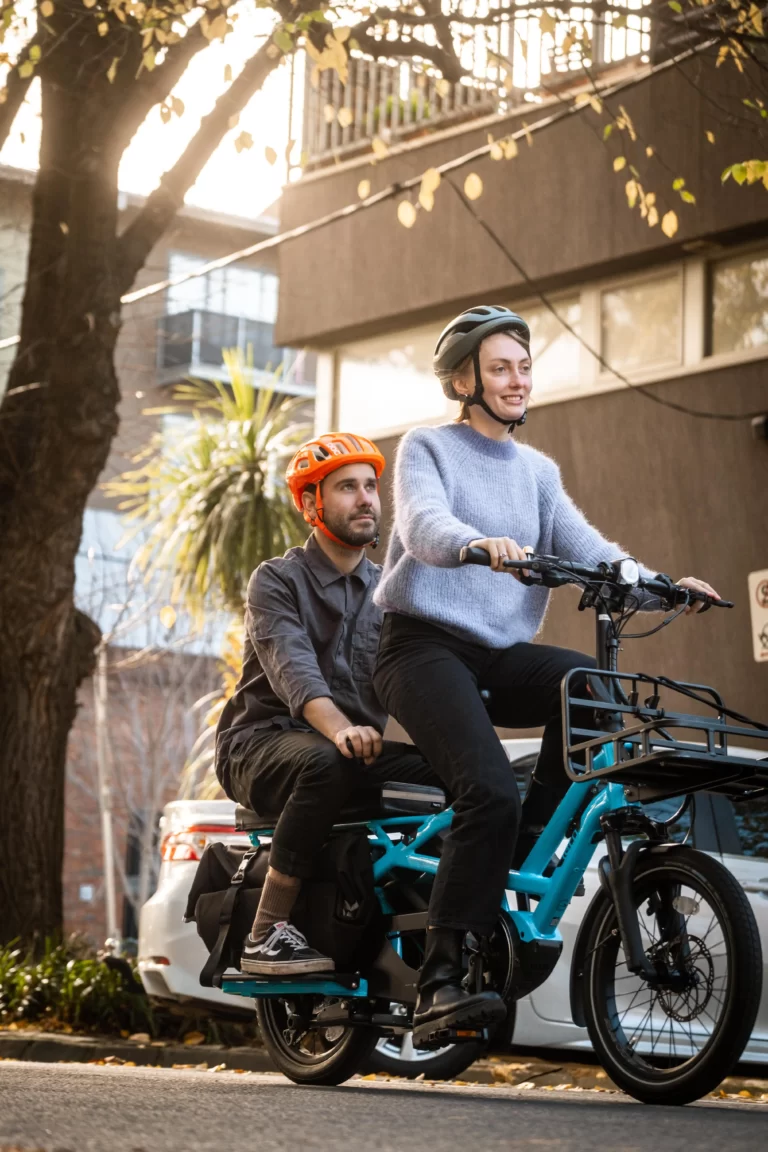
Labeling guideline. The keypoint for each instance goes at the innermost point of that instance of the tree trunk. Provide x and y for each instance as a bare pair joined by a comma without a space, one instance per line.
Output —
54,443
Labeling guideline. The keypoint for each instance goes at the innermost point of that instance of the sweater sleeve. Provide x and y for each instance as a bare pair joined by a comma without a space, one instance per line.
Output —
427,527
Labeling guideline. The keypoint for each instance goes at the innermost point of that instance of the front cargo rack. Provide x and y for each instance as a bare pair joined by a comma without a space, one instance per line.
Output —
653,749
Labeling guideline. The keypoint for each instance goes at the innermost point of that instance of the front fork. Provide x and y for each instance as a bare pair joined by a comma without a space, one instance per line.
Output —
616,873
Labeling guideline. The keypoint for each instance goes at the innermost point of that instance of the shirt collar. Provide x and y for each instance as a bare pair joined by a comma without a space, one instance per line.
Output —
326,571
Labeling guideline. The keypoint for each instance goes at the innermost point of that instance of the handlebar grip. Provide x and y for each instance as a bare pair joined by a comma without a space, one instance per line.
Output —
470,555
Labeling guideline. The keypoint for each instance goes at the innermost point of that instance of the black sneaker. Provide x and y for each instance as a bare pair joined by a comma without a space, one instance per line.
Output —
282,952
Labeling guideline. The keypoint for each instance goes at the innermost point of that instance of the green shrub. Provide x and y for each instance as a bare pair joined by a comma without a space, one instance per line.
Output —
67,985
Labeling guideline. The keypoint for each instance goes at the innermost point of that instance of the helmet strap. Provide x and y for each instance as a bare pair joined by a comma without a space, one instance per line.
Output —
478,398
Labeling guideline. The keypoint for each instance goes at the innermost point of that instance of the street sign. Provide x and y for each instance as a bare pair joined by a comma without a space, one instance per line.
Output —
758,607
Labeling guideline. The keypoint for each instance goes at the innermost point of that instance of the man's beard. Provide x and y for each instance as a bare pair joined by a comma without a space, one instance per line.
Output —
356,533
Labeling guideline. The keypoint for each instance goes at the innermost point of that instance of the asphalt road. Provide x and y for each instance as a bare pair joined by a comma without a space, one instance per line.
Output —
80,1108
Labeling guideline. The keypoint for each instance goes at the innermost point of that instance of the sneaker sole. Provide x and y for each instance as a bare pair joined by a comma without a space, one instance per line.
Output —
285,968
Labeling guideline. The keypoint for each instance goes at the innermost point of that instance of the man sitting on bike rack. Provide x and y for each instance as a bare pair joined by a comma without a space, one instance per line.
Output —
450,632
301,739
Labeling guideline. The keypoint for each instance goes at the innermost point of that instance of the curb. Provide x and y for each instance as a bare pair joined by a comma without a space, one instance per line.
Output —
51,1049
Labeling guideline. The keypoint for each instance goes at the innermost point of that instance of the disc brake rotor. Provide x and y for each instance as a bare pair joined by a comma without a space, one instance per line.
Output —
688,1003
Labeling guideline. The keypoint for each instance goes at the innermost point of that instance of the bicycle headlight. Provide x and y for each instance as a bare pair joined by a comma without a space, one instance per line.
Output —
628,571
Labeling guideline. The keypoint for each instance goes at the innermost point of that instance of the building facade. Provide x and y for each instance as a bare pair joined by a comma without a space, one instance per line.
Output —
631,318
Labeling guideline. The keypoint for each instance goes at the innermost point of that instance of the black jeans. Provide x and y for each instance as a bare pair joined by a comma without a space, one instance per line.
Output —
430,681
302,778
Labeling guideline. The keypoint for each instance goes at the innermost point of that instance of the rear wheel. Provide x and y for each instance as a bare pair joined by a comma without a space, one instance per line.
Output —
672,1042
306,1052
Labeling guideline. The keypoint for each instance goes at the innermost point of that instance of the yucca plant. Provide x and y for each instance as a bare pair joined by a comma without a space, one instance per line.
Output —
213,507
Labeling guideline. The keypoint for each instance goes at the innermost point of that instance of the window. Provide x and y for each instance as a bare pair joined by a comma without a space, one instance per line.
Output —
388,382
641,323
234,291
555,351
739,303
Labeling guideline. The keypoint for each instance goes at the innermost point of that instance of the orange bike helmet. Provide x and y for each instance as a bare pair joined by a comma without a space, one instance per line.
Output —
318,458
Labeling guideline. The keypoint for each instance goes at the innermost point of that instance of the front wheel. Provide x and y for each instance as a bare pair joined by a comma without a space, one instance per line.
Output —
305,1051
673,1042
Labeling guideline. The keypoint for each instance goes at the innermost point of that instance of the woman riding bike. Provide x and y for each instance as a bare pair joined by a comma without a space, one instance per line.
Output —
450,633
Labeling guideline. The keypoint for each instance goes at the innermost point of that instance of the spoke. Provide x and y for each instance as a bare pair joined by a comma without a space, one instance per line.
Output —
406,1048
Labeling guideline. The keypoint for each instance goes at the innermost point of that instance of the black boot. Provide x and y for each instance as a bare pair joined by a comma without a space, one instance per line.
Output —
444,1005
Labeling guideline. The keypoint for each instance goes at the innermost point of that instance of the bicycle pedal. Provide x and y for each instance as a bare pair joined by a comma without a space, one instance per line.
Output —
442,1037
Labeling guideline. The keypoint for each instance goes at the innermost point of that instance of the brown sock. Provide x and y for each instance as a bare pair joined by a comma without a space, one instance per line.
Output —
278,897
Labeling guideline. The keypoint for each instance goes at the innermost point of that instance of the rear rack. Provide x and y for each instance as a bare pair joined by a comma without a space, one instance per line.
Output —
655,751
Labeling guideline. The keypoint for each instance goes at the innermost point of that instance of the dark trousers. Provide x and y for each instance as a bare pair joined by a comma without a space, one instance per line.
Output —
430,681
303,780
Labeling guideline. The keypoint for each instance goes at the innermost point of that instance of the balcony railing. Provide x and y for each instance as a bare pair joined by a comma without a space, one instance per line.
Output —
191,344
509,66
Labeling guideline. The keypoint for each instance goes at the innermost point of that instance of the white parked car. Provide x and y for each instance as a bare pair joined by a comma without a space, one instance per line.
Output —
171,954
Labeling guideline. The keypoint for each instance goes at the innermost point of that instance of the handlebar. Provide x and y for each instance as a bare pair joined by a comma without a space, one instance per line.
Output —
553,572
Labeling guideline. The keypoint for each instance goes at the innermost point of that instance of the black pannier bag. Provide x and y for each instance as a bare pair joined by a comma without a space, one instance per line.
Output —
337,910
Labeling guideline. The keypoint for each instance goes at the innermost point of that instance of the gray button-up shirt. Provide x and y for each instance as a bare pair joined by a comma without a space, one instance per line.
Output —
310,631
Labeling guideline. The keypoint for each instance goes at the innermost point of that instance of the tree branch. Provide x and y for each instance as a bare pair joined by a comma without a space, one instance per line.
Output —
145,230
16,89
156,86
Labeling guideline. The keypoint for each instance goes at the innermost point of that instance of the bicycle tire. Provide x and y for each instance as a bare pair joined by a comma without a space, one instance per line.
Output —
654,1080
346,1056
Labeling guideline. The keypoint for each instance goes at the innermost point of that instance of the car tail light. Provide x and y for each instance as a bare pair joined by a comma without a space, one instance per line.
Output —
190,843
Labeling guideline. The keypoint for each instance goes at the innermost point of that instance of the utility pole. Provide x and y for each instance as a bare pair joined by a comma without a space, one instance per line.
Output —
104,761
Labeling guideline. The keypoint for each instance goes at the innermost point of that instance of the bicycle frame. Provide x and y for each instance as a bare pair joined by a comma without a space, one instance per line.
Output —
576,820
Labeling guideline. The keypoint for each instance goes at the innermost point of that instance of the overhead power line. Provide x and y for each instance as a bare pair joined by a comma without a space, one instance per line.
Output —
398,187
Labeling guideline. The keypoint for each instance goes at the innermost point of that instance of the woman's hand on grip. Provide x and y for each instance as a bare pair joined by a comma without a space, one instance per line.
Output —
501,548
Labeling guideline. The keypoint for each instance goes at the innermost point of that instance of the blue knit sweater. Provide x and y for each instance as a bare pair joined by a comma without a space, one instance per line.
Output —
453,485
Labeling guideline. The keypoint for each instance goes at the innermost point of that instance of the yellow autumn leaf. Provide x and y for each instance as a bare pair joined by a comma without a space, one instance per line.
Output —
473,186
619,163
443,87
364,189
711,137
89,3
177,105
650,199
510,148
148,59
496,152
430,181
649,151
329,113
653,217
426,199
102,28
244,141
227,73
669,224
631,190
218,28
406,214
346,116
46,9
112,71
165,113
379,148
26,69
168,619
342,34
270,155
